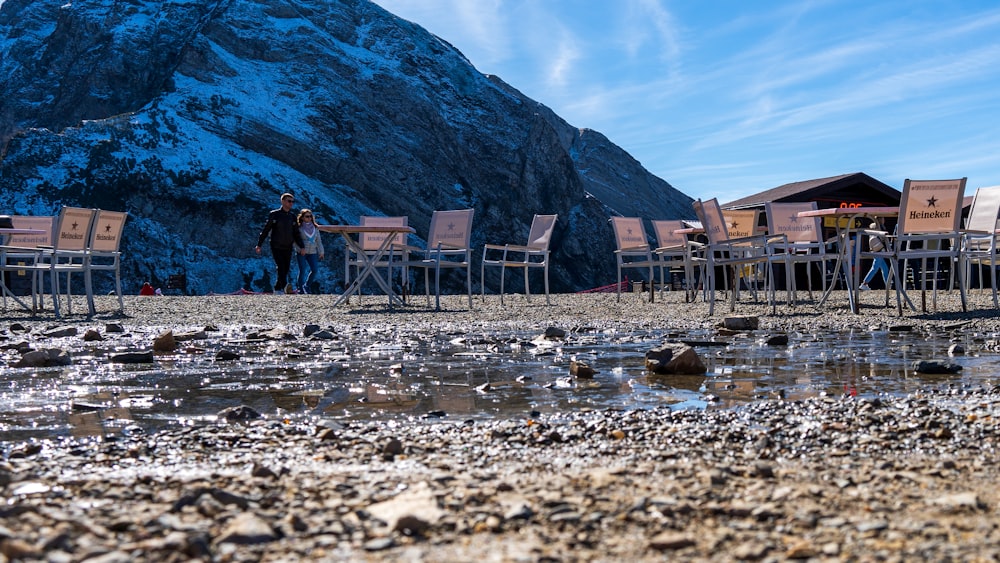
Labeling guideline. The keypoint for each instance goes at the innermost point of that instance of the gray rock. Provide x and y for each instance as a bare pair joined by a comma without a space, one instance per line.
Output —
165,342
741,323
247,529
134,358
935,368
674,358
44,358
241,413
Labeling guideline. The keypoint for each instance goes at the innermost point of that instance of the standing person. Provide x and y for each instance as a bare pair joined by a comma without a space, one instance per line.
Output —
284,231
311,252
876,244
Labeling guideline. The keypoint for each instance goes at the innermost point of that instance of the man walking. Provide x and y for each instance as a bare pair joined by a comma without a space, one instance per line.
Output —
284,231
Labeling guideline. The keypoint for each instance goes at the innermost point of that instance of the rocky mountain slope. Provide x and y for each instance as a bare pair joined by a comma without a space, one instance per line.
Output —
194,116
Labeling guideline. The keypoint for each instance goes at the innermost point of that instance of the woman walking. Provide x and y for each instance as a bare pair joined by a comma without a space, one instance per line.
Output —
312,246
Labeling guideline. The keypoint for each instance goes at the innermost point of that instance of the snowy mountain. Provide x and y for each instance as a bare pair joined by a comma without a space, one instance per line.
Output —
194,116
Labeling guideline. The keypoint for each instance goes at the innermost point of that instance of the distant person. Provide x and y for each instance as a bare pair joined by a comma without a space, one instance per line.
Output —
876,244
311,252
284,230
147,289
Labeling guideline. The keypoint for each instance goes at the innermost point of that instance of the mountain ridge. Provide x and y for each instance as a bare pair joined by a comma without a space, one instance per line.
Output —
195,116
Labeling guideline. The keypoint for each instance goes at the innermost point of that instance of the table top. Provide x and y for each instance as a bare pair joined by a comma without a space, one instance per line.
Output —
347,229
850,211
689,231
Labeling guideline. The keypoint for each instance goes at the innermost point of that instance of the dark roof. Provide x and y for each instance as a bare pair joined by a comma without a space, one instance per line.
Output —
804,190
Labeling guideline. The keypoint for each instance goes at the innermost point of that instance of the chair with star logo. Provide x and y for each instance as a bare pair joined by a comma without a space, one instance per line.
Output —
747,258
805,243
634,250
448,247
104,254
927,233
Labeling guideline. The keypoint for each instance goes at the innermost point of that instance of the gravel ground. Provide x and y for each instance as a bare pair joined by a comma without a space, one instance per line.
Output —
831,478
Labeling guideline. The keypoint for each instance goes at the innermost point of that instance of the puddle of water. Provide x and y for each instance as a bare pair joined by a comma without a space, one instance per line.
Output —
475,376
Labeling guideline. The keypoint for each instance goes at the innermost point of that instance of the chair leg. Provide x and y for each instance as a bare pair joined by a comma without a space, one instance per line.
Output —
545,273
503,276
482,278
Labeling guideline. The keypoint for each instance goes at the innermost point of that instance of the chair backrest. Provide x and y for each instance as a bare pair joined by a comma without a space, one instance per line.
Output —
783,219
72,231
451,229
42,223
931,206
373,241
107,232
629,233
741,222
665,235
540,234
710,215
984,212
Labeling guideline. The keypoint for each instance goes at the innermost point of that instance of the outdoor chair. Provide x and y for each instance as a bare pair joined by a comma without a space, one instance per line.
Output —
928,230
979,239
742,256
68,253
633,250
20,254
674,250
448,247
371,242
533,254
103,253
805,244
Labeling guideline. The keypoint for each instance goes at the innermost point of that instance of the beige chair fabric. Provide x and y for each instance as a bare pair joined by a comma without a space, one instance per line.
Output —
448,246
68,253
633,250
675,250
928,230
742,256
103,253
533,254
979,239
21,251
805,244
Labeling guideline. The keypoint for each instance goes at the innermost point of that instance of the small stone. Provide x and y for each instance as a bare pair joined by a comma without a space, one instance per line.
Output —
581,370
392,448
226,356
670,541
741,323
133,358
92,336
247,529
802,549
778,340
674,358
241,413
310,329
935,368
956,350
553,333
114,328
61,332
165,342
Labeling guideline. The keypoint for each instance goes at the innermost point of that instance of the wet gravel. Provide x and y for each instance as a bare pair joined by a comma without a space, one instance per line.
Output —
829,478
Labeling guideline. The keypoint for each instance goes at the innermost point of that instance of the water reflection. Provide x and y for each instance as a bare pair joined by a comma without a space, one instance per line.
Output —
468,376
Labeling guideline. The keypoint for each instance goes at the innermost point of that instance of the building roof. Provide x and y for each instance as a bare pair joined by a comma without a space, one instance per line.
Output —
807,189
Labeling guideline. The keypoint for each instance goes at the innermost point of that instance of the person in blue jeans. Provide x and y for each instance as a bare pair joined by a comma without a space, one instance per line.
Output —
311,250
876,244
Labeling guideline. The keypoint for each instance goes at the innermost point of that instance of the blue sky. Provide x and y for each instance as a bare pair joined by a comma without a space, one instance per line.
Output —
729,98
